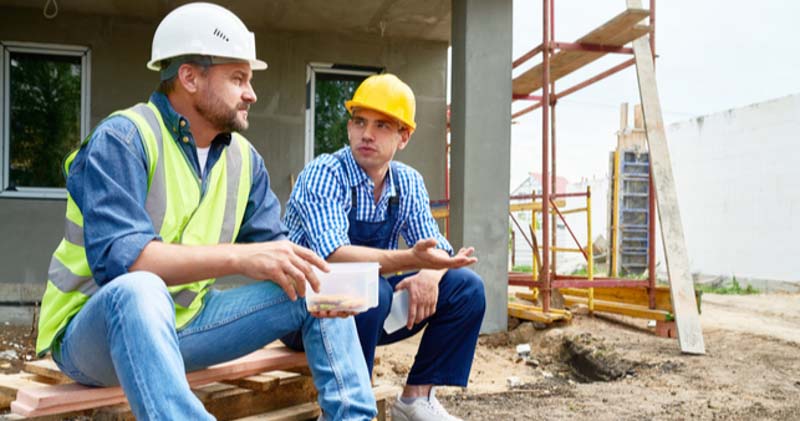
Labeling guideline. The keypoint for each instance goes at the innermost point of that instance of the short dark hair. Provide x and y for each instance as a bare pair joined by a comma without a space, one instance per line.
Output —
167,86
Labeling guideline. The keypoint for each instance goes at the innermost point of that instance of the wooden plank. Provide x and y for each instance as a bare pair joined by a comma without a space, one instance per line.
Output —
300,412
533,206
528,296
440,212
690,333
617,32
533,313
75,397
226,402
212,391
260,382
626,309
47,368
11,383
384,395
636,296
252,402
267,381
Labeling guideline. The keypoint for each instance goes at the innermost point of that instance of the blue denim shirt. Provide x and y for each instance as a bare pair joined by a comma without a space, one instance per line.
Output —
108,182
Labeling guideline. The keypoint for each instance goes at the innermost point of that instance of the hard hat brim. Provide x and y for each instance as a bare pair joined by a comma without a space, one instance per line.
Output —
356,104
254,64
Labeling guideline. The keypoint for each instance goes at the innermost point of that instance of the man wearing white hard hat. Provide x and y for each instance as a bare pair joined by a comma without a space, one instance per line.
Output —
165,197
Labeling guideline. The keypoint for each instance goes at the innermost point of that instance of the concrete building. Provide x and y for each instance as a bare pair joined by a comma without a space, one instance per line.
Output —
737,180
106,45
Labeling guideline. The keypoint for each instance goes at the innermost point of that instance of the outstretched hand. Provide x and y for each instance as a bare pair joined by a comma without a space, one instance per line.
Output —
282,262
429,257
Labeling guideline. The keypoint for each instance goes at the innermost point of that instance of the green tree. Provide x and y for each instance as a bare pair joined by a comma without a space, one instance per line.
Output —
330,119
45,115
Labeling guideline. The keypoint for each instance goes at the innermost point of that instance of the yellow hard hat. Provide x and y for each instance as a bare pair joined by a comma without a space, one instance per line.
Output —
387,94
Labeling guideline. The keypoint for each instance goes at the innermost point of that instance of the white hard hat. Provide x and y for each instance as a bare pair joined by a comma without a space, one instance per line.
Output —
203,29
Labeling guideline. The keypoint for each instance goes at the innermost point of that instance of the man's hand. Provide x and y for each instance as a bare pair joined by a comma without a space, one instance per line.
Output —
429,257
282,262
423,293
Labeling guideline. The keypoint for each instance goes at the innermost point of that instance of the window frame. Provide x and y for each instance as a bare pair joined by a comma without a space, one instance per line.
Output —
312,69
6,49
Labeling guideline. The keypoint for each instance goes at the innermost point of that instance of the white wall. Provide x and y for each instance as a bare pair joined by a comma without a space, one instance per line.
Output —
737,175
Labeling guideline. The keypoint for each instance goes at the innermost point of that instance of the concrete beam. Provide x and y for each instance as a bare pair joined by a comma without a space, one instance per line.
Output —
481,144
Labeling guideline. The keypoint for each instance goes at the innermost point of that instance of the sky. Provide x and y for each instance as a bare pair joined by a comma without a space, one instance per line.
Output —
714,55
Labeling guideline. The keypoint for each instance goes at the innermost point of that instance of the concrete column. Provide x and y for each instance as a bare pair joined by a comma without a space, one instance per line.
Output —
481,142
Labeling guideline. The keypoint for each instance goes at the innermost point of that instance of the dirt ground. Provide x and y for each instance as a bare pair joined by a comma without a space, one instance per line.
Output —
614,368
610,367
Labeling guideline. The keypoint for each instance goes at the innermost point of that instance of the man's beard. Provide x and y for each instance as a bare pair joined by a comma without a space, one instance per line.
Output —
223,118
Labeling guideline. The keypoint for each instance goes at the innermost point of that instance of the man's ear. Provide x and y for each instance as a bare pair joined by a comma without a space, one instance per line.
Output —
188,75
405,135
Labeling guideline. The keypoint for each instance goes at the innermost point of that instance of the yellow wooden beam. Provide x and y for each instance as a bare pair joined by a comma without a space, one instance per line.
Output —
534,313
626,309
625,295
532,206
576,210
530,296
439,212
565,249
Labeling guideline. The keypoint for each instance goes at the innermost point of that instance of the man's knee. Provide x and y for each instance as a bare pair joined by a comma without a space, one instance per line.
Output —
144,289
470,289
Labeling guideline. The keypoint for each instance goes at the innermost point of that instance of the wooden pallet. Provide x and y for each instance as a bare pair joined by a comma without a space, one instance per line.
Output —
239,389
70,397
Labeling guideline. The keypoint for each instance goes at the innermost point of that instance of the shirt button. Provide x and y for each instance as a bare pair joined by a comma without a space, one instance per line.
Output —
185,139
183,123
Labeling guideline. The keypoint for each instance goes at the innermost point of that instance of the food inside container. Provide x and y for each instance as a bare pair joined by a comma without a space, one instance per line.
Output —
348,287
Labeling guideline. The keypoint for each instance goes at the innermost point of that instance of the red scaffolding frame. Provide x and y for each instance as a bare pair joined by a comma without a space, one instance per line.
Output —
548,279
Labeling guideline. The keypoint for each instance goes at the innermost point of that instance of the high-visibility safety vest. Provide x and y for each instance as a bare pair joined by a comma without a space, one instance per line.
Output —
180,212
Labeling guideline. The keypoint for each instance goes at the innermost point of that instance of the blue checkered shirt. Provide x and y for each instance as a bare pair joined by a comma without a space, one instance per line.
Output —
316,214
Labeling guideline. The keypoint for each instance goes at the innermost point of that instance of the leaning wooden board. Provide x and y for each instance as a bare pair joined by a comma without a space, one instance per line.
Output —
687,320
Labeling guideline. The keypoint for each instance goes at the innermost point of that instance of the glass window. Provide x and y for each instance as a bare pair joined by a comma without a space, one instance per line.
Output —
330,85
44,115
330,118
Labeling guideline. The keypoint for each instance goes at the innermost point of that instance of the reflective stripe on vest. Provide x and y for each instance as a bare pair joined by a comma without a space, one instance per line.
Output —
156,202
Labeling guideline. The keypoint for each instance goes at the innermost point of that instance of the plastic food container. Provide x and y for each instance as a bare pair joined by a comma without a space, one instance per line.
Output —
350,287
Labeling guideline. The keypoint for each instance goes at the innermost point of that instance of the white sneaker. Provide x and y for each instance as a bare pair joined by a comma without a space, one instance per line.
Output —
421,410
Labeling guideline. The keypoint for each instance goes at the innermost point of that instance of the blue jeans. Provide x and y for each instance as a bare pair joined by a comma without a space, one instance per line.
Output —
125,335
448,345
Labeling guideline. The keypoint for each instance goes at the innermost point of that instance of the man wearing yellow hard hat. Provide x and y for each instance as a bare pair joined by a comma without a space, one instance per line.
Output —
164,197
352,206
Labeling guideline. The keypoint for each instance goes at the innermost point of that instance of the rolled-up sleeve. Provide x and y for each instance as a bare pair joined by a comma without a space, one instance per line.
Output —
316,215
108,182
262,216
420,223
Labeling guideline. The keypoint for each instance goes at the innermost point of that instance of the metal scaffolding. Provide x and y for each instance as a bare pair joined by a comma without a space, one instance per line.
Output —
558,60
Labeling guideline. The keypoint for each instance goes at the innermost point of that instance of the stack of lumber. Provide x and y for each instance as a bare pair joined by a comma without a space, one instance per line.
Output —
270,384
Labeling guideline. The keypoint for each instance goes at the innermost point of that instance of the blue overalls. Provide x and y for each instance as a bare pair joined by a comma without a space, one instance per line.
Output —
447,347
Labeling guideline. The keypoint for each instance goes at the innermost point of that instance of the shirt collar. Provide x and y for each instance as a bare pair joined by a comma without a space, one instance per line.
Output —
177,124
357,176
